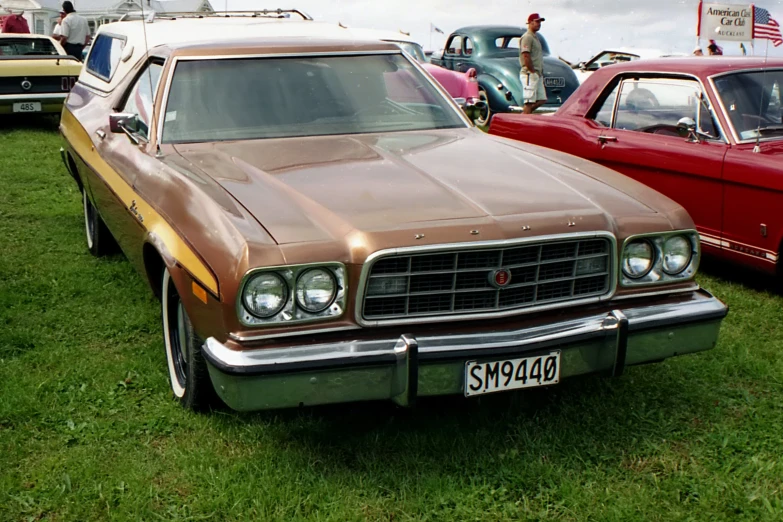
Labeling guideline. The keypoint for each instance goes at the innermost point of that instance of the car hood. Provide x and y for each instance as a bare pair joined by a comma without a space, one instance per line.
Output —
325,188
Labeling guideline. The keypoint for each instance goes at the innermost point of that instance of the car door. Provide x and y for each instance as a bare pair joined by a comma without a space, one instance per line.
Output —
753,195
127,155
635,131
453,52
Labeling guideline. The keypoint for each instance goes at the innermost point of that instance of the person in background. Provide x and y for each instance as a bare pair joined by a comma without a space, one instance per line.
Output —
714,49
58,29
698,52
531,58
16,23
74,31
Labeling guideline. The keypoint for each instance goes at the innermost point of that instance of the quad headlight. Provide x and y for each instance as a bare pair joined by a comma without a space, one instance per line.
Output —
677,253
291,294
265,294
316,288
660,258
638,258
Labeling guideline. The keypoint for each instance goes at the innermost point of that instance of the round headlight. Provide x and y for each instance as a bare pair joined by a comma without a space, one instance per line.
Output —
265,295
638,258
677,252
316,289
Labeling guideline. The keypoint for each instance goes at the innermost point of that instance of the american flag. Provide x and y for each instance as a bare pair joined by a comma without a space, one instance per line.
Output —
765,28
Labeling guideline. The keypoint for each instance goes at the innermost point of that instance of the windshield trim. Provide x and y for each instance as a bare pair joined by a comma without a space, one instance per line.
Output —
449,101
737,138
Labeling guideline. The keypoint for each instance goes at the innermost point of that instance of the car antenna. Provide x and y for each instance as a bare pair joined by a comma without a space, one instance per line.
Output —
144,22
757,147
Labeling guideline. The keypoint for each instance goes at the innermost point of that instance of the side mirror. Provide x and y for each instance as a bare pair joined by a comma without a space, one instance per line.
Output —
123,122
687,128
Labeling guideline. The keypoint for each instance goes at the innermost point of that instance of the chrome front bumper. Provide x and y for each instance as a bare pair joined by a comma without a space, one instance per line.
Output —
408,366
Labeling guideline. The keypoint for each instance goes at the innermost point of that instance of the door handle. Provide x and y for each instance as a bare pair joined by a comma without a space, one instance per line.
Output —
605,139
101,134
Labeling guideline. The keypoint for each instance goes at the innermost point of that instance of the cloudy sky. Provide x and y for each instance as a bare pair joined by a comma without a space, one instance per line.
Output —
575,29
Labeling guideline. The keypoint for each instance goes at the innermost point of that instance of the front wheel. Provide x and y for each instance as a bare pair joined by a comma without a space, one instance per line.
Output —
486,113
99,240
188,373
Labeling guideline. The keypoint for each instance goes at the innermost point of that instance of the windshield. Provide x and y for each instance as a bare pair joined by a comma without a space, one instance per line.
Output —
27,47
414,50
752,102
252,98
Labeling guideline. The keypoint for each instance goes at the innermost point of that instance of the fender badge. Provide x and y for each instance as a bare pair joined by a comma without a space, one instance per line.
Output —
135,211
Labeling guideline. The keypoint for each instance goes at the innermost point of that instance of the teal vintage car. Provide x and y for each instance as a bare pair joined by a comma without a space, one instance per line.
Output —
493,51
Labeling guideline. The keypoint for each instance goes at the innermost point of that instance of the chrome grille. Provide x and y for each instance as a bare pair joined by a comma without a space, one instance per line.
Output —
459,282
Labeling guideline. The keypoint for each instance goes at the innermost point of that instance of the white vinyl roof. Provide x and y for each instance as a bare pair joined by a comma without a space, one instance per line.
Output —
185,31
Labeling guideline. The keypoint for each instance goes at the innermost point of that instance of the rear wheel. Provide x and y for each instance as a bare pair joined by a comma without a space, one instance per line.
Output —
99,240
188,373
486,113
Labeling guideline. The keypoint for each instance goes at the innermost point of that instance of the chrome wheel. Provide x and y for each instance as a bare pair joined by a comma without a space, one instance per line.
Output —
485,114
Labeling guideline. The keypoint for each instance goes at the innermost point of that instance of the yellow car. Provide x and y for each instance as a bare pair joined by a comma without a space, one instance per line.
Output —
35,74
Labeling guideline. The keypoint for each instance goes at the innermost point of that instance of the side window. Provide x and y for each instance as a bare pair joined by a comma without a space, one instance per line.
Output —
454,46
655,106
603,116
141,97
467,46
105,56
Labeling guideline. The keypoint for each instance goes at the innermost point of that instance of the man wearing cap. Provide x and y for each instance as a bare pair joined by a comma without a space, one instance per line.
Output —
531,58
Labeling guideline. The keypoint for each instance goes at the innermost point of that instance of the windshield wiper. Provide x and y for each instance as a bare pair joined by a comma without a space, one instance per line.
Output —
771,129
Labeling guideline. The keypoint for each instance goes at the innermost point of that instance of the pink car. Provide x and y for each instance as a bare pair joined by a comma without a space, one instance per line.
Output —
463,87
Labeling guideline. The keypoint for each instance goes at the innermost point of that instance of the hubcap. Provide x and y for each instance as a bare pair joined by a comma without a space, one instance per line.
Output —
483,118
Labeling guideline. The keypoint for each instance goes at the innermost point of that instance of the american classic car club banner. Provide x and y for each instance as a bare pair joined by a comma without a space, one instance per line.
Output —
726,22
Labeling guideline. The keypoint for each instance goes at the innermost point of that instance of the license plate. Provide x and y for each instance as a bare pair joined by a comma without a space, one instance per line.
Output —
27,107
554,81
511,374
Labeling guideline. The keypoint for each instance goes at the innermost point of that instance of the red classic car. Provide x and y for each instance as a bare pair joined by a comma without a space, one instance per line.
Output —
704,131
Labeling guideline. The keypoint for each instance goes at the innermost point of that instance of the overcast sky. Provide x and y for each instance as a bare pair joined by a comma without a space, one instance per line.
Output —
575,29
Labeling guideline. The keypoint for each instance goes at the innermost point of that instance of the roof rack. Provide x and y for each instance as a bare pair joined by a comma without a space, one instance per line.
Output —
150,16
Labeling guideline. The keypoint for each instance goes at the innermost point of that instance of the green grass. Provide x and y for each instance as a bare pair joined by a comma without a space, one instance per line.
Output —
89,431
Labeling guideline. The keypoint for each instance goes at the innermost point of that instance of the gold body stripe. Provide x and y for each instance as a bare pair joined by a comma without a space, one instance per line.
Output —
154,223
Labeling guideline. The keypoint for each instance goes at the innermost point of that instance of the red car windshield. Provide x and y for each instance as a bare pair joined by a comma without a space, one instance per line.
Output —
253,98
753,103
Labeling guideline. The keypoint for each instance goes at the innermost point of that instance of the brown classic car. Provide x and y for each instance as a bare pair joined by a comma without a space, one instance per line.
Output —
316,236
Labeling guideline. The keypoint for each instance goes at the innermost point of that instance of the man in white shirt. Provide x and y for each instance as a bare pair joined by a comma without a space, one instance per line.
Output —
74,31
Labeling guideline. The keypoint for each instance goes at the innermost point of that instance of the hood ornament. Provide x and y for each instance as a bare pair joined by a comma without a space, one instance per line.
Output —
572,222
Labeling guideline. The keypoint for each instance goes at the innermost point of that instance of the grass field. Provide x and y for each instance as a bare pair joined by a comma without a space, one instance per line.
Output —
89,431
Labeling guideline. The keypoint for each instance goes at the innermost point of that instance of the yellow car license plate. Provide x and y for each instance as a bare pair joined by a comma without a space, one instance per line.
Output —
27,107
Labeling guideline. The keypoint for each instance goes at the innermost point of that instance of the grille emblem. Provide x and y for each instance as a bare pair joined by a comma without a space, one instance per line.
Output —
500,278
26,85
